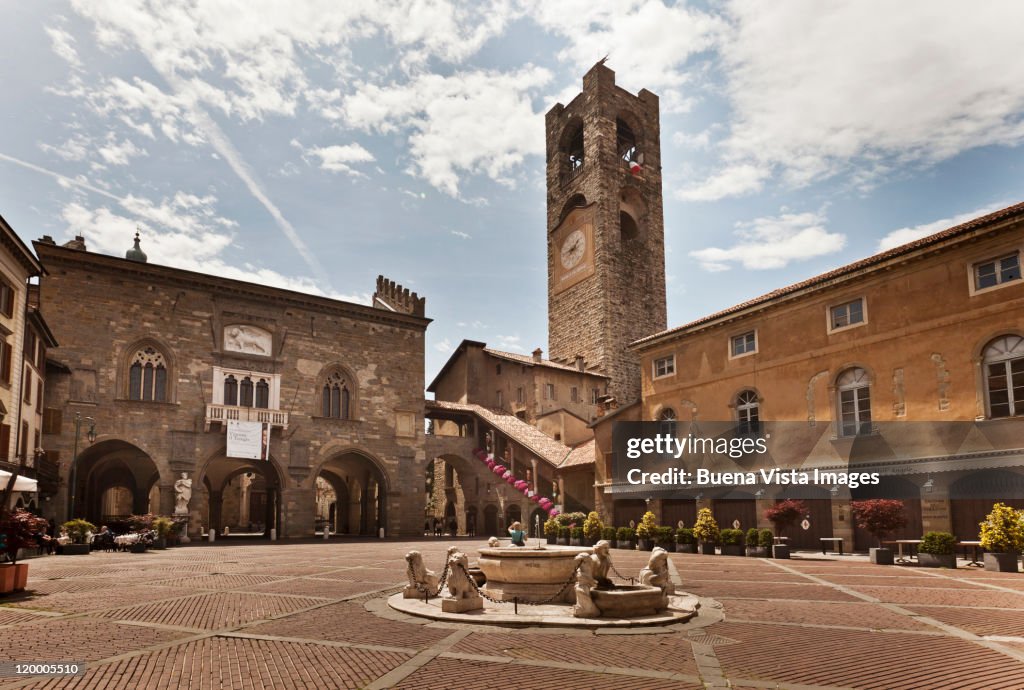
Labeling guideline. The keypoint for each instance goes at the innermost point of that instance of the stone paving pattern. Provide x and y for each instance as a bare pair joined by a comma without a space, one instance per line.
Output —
310,615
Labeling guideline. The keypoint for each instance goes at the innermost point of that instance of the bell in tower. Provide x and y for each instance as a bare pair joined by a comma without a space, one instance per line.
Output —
606,238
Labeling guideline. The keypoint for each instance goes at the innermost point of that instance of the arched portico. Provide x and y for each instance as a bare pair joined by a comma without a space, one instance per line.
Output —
360,488
114,479
240,494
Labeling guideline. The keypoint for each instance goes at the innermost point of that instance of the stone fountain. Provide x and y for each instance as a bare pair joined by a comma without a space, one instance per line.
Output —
544,585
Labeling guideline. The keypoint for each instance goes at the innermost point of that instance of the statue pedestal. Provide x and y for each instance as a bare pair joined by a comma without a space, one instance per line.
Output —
462,605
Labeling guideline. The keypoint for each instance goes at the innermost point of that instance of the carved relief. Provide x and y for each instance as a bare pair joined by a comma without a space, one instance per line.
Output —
899,405
811,415
247,339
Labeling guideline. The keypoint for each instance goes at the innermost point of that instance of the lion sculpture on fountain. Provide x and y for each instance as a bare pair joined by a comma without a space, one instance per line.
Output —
420,579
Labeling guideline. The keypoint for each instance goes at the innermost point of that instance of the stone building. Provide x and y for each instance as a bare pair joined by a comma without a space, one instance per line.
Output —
159,360
24,340
605,229
909,363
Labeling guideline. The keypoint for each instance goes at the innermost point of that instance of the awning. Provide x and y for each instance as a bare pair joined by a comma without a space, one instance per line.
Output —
20,484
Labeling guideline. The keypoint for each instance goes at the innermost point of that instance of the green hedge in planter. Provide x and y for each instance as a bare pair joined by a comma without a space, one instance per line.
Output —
753,537
938,543
624,536
684,535
766,538
608,533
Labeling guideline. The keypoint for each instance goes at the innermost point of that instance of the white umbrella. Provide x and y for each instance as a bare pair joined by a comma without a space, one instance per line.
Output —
20,484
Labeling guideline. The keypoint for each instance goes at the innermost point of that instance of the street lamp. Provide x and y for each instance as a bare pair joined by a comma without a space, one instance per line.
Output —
91,435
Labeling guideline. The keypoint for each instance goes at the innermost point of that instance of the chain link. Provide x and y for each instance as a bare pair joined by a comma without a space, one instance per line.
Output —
423,590
620,575
554,597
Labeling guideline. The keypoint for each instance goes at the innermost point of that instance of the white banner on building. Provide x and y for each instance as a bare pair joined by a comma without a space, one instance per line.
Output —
248,440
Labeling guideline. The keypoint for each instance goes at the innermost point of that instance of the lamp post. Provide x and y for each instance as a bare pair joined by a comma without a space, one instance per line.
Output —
91,435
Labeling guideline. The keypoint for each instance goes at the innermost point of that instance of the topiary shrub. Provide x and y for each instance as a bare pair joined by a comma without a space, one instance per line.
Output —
664,535
1003,530
784,514
625,534
592,527
732,537
684,535
752,537
78,530
766,538
706,528
938,543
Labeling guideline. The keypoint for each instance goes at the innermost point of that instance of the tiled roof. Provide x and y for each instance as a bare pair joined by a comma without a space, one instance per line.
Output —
582,454
527,359
819,280
542,445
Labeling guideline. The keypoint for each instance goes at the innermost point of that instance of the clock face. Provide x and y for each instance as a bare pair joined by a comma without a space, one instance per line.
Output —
573,249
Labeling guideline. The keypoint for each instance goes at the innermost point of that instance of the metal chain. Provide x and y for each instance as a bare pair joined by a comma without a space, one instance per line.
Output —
554,597
423,590
620,575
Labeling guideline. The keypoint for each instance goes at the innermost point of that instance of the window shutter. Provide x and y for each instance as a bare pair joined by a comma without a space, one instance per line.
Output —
52,418
5,441
5,364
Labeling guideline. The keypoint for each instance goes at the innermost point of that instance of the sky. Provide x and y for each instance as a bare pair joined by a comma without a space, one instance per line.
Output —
314,144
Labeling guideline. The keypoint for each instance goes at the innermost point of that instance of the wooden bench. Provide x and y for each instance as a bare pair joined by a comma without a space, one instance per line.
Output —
837,542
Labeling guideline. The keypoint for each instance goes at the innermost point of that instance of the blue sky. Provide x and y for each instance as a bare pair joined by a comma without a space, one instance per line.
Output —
315,144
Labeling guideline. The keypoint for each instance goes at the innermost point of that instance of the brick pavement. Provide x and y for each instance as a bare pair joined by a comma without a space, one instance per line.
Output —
310,615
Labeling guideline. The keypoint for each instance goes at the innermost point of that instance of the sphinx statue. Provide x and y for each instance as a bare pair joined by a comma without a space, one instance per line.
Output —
420,579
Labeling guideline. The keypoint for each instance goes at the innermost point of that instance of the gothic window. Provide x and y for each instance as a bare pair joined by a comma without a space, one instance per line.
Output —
245,392
854,402
336,397
748,409
230,390
262,394
147,375
1004,376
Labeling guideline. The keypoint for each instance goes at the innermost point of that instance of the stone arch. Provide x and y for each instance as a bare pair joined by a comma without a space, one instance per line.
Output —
104,467
632,214
571,146
262,496
127,356
362,485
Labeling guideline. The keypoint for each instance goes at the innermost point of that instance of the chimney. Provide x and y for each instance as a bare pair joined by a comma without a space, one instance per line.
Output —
580,363
538,355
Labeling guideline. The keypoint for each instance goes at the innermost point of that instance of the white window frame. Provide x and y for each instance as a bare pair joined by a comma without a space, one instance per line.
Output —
853,387
670,368
972,273
220,373
732,339
1012,350
864,312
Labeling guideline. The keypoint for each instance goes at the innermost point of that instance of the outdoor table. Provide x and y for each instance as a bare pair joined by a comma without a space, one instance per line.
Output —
899,543
975,547
836,542
781,540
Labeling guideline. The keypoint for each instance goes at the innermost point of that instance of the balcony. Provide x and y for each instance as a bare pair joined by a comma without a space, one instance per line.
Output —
221,414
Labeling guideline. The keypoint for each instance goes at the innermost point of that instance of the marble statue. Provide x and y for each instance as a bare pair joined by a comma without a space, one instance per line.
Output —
585,582
419,577
601,563
494,542
182,494
462,595
655,573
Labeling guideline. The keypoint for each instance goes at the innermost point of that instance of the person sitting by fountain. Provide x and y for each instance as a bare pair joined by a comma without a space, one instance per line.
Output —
602,564
515,530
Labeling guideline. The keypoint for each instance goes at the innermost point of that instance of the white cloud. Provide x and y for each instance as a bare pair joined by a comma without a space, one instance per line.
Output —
647,43
732,181
443,345
773,242
509,343
75,148
119,152
820,90
463,235
475,122
338,158
63,45
901,236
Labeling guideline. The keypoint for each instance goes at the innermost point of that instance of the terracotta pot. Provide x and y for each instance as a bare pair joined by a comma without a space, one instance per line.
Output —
6,578
20,577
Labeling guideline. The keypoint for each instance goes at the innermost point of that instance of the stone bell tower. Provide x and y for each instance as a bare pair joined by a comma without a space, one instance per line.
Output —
606,236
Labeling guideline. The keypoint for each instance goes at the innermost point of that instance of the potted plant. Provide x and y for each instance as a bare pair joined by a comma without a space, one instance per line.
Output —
784,514
937,550
732,542
685,541
766,540
163,527
879,516
751,540
706,531
608,534
592,527
80,531
665,537
645,531
19,529
625,538
576,536
551,530
1002,537
563,536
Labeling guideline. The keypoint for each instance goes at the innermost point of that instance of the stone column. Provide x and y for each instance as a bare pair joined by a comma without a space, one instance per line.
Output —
216,505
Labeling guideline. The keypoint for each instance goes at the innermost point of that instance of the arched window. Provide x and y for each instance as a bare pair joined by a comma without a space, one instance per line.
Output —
667,415
262,394
1004,377
336,397
230,390
748,412
854,388
147,375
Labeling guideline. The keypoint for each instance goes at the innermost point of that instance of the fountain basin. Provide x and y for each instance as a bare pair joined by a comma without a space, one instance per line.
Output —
532,574
627,601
